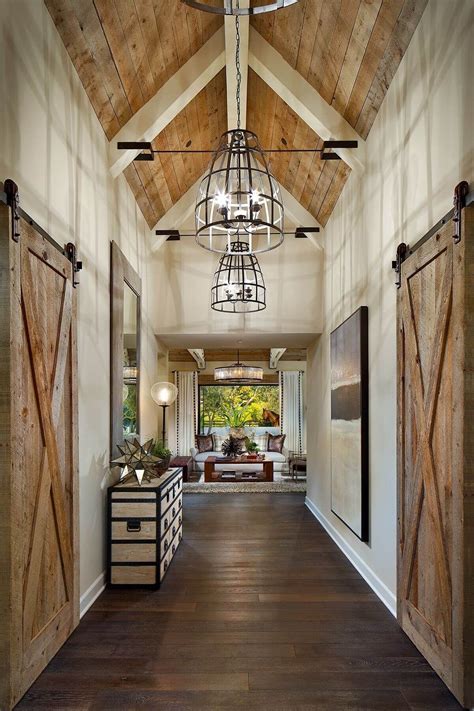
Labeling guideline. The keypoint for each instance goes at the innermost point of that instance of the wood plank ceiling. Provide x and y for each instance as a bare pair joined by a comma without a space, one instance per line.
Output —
125,50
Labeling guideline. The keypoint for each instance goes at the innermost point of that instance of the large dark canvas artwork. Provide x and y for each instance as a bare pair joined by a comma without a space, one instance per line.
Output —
350,423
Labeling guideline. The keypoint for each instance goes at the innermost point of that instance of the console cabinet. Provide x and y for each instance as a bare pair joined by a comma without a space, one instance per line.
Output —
145,528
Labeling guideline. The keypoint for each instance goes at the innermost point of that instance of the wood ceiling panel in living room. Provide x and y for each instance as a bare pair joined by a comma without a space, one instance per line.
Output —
348,50
315,183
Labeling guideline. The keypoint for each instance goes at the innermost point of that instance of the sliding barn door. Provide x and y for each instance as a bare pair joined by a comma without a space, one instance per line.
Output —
41,480
435,453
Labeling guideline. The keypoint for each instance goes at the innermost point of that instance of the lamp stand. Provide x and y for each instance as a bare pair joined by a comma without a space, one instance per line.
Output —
163,431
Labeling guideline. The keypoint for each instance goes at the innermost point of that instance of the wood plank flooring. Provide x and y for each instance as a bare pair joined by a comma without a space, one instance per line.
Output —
260,610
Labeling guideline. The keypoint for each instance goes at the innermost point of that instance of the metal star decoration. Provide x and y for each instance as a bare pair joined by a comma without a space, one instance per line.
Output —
138,460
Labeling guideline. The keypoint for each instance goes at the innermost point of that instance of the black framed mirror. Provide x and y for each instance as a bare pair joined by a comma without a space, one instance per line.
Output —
125,337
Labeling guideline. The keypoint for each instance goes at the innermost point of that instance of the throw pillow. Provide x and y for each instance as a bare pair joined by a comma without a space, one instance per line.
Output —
261,441
219,441
275,443
204,443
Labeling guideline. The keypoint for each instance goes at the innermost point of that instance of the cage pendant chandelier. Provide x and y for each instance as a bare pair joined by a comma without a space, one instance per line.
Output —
239,200
238,285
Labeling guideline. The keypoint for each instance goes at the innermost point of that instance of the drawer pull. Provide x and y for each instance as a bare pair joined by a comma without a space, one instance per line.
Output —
134,525
166,523
166,545
180,536
166,564
173,548
173,512
179,520
174,530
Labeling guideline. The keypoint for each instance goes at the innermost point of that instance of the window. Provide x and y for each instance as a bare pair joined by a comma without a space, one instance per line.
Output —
238,406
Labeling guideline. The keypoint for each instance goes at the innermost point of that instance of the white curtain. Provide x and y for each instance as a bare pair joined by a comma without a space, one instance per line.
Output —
292,410
186,412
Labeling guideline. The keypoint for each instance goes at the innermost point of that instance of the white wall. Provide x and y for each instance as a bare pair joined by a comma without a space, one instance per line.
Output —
421,145
293,277
53,146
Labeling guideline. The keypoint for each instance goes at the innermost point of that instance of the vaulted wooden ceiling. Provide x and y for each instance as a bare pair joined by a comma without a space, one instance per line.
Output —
125,50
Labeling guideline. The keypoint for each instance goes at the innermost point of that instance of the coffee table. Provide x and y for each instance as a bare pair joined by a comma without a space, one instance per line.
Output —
244,468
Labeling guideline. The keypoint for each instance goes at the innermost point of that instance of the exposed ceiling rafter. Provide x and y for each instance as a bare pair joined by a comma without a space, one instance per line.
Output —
275,355
198,355
304,99
169,100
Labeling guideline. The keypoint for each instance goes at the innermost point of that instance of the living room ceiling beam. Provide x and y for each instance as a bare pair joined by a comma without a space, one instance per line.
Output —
169,100
304,99
275,355
231,74
198,355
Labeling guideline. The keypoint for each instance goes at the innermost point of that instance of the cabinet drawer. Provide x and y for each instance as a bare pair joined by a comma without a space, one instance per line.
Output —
133,530
127,509
173,508
168,518
133,574
133,553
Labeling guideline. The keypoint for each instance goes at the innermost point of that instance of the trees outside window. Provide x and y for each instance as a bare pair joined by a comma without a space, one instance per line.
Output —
238,405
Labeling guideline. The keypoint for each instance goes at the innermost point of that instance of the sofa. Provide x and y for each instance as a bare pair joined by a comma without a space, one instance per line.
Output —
280,461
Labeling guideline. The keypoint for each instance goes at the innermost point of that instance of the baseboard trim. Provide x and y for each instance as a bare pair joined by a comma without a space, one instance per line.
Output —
379,587
91,594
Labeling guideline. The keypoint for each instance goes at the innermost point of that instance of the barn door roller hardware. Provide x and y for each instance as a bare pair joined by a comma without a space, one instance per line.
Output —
13,200
462,198
71,254
461,192
402,254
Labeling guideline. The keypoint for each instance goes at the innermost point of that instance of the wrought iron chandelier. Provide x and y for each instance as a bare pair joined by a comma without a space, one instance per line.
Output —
239,201
238,373
231,7
238,285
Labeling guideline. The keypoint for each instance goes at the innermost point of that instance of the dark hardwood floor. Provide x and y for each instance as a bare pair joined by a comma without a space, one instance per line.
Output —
260,610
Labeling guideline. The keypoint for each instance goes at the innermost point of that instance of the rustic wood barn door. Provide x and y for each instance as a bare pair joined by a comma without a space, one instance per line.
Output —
435,471
43,457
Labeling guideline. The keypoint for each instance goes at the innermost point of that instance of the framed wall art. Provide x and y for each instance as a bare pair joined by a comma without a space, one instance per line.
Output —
350,423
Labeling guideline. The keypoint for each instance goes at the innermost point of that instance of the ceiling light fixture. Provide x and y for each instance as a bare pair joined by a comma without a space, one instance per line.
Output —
238,285
231,7
239,201
238,373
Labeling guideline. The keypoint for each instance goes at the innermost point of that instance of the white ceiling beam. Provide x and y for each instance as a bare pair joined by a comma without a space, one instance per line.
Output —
301,217
169,100
176,215
231,73
304,99
184,208
275,355
198,355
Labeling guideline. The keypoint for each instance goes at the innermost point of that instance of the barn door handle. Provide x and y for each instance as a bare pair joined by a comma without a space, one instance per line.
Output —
134,525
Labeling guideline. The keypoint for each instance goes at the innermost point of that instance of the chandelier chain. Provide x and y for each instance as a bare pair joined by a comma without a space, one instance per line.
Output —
237,63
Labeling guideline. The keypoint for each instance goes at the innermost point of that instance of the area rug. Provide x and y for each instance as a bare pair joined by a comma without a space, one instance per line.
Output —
244,487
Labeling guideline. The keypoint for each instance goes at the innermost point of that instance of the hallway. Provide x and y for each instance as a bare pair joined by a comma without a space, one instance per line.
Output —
260,610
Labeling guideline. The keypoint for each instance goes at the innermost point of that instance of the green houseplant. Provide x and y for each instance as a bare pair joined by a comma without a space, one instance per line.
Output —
161,450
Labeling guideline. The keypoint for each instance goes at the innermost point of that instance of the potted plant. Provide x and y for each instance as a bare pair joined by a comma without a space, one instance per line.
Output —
161,450
252,449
